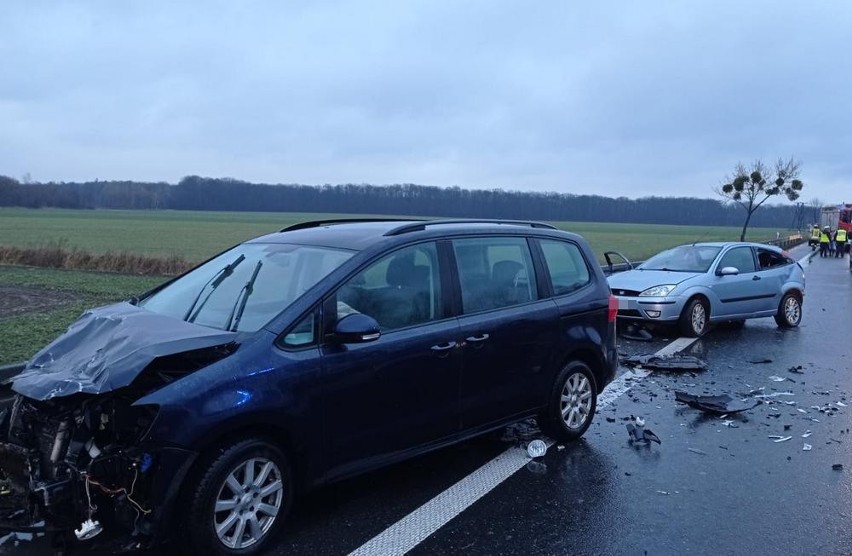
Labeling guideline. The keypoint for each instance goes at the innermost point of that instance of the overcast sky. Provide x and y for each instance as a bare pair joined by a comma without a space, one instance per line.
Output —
616,98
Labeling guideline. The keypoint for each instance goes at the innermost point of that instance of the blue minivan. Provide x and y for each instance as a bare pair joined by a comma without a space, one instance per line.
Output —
299,358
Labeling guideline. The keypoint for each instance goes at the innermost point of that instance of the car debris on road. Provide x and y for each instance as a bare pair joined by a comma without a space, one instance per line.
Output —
676,362
638,433
716,405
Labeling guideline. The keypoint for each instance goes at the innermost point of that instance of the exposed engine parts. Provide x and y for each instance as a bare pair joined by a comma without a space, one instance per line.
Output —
76,463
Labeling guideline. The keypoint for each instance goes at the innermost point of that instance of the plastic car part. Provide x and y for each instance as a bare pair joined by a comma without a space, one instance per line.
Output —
536,449
88,530
717,405
675,362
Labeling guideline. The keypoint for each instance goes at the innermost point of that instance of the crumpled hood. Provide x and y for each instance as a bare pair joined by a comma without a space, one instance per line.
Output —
640,280
107,348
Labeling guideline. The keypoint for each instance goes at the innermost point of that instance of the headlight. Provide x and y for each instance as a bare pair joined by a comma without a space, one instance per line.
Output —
658,291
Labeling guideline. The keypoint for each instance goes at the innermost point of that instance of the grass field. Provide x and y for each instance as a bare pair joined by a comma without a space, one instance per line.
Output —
198,235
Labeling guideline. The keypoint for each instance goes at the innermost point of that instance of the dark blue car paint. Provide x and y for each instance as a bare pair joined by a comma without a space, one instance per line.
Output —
363,398
342,409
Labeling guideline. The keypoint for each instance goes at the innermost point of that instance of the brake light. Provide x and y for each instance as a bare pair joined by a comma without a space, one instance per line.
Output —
613,308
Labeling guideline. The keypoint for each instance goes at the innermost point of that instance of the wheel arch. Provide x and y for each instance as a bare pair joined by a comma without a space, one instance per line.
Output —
704,298
230,433
795,290
590,358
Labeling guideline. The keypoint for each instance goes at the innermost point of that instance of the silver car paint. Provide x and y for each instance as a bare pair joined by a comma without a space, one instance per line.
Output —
740,296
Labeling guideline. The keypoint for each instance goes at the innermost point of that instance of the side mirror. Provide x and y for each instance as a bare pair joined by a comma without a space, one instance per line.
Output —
728,271
356,329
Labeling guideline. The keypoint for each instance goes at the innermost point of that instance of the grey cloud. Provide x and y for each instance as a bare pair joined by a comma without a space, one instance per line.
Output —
632,99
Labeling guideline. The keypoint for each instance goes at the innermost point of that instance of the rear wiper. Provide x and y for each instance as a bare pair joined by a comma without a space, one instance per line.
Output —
215,280
240,304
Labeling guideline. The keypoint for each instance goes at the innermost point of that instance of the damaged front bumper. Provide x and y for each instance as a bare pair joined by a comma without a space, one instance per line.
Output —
87,470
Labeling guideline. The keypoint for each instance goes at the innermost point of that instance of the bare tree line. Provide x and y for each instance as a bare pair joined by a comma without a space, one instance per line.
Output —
215,194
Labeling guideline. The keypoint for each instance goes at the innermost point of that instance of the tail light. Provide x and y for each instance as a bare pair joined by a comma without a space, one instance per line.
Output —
613,308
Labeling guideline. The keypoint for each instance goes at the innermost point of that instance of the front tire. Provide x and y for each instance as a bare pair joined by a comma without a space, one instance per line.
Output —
694,319
789,313
241,499
572,403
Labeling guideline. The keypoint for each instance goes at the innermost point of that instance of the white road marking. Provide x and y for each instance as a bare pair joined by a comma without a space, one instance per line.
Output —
414,528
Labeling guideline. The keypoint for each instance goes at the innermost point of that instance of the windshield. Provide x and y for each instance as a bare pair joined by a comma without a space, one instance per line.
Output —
685,258
245,287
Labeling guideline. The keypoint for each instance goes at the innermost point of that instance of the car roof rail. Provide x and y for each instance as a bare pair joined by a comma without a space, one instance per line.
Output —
420,226
327,221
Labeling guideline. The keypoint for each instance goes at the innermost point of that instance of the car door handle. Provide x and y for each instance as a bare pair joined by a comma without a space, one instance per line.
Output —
755,277
477,340
443,350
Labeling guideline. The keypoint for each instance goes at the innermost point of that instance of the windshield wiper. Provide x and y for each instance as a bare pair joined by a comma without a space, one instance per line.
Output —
215,280
240,304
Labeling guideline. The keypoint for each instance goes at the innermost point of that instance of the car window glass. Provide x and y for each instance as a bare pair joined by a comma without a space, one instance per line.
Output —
768,259
740,258
566,266
402,289
301,335
494,272
684,258
245,287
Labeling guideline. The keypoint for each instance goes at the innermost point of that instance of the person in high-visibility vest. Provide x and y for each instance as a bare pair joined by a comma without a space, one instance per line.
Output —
813,241
840,240
824,240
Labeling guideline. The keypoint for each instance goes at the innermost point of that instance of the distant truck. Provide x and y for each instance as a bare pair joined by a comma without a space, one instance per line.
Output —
836,216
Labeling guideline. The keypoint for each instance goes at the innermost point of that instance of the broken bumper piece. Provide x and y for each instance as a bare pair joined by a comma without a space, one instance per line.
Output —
716,405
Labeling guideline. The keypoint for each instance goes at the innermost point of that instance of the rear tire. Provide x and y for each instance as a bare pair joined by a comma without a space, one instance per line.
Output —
241,500
694,319
572,403
789,313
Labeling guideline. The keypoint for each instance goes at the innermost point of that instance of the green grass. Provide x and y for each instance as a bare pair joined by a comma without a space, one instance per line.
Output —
196,236
191,235
199,235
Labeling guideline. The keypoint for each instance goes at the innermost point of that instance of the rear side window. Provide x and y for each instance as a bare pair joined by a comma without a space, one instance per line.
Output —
768,259
494,272
566,266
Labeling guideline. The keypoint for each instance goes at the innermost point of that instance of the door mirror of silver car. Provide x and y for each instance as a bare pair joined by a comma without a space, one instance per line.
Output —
356,329
728,271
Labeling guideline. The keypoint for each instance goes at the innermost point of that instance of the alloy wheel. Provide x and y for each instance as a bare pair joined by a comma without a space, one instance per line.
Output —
576,401
699,319
248,502
792,310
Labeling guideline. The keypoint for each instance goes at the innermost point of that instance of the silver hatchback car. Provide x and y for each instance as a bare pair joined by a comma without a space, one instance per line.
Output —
696,284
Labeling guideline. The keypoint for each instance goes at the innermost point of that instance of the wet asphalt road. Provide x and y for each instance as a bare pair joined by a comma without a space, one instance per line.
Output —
711,488
738,492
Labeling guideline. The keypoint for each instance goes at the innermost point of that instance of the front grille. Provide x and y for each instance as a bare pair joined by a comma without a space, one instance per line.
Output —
629,313
625,293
